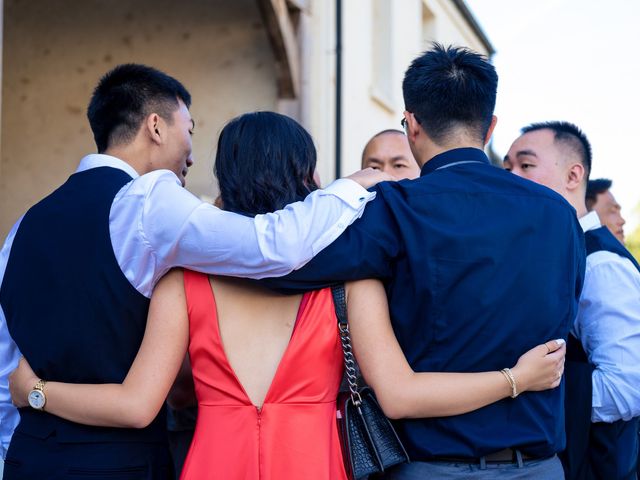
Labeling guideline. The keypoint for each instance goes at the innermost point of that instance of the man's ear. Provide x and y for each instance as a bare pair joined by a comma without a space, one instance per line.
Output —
487,137
575,176
153,126
413,127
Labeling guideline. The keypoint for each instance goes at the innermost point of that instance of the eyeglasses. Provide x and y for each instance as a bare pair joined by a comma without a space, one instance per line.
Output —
405,125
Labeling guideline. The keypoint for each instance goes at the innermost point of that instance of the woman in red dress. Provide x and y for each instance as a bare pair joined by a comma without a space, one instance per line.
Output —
267,367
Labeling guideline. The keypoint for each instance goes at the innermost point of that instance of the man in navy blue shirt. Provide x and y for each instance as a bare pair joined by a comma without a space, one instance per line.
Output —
479,266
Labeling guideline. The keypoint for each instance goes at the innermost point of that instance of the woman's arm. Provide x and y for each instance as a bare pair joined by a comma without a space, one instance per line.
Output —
403,393
135,402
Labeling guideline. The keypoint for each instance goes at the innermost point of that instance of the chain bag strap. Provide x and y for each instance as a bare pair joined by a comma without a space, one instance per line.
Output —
369,442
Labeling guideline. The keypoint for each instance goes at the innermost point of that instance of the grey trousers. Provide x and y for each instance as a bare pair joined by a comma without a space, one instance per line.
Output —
547,469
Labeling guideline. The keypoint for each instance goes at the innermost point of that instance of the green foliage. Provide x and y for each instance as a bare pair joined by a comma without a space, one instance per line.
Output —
632,241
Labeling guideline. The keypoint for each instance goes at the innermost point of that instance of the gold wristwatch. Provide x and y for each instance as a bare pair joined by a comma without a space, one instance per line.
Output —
37,398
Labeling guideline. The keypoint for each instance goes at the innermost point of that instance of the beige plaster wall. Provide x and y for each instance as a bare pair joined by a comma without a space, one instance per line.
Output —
451,27
317,40
409,27
366,110
54,51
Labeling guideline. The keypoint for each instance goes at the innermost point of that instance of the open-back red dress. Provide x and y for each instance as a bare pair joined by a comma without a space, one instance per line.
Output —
294,435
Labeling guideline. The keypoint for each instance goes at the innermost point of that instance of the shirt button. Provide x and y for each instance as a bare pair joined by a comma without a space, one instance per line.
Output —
361,199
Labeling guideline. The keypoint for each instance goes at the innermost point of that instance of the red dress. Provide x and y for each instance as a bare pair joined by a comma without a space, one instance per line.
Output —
294,435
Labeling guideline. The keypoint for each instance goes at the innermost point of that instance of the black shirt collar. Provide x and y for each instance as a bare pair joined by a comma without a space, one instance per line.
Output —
453,156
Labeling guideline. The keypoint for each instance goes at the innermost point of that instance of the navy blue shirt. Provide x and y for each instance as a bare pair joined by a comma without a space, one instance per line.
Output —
479,266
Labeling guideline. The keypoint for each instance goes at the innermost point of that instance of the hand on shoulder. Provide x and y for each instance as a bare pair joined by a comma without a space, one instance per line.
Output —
369,177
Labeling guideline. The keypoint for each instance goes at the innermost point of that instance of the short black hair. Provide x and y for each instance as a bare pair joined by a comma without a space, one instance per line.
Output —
264,161
570,135
125,96
595,188
448,88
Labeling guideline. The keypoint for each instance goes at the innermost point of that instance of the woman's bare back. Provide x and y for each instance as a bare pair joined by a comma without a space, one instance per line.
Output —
255,326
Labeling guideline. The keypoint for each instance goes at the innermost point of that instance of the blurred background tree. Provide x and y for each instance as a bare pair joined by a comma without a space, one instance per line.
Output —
632,240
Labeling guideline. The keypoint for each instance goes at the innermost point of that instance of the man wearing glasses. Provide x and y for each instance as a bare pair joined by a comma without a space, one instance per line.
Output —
479,266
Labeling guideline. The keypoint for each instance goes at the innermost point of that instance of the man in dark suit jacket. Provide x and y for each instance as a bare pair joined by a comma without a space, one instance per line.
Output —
479,266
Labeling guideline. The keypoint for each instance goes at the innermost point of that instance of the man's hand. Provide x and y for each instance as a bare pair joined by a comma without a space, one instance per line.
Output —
370,177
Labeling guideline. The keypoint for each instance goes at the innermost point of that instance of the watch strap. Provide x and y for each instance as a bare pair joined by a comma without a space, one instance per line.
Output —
40,385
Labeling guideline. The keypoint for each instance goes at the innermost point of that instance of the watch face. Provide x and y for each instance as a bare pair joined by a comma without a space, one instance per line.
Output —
36,399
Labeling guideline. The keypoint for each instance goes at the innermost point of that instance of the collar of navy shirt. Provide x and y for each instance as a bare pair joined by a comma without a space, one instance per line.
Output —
457,156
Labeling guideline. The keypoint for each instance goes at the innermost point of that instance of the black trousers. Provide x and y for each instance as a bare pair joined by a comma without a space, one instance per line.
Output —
30,458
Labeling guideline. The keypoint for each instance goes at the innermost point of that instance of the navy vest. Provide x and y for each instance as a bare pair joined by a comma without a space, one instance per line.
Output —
595,450
69,307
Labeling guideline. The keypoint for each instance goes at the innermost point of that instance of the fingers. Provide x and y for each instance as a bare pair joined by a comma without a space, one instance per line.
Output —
558,354
553,363
553,345
558,370
558,377
556,359
369,177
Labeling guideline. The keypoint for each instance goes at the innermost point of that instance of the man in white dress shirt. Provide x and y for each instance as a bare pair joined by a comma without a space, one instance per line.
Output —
142,128
558,155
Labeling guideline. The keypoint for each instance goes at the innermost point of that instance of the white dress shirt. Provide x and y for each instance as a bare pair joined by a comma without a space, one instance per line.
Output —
608,325
155,225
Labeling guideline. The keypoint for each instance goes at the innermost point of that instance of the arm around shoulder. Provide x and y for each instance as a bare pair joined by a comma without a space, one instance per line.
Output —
403,393
180,230
135,402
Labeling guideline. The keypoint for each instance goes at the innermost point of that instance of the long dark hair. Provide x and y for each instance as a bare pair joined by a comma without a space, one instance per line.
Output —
264,161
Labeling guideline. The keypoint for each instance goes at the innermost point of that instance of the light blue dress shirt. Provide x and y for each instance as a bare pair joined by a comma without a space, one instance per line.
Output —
155,225
608,325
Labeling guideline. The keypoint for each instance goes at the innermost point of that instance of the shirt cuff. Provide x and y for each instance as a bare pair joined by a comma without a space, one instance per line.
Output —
350,192
615,395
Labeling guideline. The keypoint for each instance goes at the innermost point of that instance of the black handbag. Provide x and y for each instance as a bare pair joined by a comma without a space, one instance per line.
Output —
369,442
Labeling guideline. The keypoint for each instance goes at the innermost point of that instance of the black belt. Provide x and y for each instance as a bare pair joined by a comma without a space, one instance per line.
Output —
508,455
